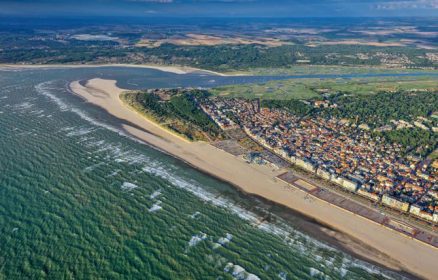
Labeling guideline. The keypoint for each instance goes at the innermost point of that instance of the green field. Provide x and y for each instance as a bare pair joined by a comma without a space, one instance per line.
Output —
313,88
325,69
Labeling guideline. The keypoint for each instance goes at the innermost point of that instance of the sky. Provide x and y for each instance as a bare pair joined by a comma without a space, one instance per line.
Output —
220,8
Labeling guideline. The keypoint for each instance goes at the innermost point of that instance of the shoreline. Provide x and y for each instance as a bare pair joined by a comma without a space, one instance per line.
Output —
180,69
414,256
175,69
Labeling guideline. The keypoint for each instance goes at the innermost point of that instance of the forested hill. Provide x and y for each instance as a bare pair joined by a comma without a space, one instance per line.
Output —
220,57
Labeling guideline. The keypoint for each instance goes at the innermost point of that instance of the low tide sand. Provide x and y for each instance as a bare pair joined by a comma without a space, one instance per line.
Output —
171,68
397,250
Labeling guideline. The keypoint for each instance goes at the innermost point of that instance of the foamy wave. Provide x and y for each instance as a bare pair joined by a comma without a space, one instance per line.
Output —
195,215
197,238
316,273
126,186
23,106
81,131
158,170
282,275
239,272
46,90
224,240
155,194
156,207
94,166
114,173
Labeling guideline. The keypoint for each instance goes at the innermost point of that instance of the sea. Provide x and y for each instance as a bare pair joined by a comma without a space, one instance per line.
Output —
82,199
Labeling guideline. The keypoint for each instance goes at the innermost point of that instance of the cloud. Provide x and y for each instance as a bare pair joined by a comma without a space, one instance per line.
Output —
402,5
153,1
223,8
227,1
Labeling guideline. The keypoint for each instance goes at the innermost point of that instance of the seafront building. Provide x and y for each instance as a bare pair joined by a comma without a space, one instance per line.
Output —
338,151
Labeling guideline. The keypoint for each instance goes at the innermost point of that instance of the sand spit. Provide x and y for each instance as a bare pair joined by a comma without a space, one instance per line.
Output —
165,68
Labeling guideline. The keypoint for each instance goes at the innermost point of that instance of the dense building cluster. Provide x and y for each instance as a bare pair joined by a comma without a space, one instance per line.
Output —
338,151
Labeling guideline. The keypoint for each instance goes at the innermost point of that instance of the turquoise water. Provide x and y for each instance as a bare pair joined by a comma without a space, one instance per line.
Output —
81,199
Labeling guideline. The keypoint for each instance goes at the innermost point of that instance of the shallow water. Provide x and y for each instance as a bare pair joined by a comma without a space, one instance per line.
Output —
80,199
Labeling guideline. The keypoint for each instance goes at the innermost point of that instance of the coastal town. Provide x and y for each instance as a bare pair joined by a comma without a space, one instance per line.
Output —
337,151
264,170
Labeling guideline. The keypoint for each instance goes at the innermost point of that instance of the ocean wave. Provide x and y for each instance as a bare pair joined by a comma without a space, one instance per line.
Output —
126,186
155,194
316,273
282,275
23,106
94,166
224,240
46,89
157,206
197,238
114,173
195,215
80,131
239,273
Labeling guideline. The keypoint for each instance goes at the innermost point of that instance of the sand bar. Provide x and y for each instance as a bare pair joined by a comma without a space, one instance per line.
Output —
165,68
405,253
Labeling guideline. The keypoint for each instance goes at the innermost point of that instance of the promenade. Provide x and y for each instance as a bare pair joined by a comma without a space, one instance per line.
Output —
358,209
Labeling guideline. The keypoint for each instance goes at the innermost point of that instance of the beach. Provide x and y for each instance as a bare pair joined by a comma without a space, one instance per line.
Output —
398,251
165,68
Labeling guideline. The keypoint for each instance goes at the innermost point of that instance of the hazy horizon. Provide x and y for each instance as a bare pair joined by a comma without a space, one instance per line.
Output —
221,8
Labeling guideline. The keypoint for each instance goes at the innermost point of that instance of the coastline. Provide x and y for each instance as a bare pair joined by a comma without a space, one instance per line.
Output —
260,181
170,69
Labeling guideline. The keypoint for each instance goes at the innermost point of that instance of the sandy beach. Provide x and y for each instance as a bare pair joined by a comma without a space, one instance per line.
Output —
397,250
171,69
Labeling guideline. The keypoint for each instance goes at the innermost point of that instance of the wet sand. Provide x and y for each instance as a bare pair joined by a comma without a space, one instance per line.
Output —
171,68
391,249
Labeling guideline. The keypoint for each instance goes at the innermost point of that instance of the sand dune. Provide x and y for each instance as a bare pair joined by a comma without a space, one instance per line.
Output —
398,250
